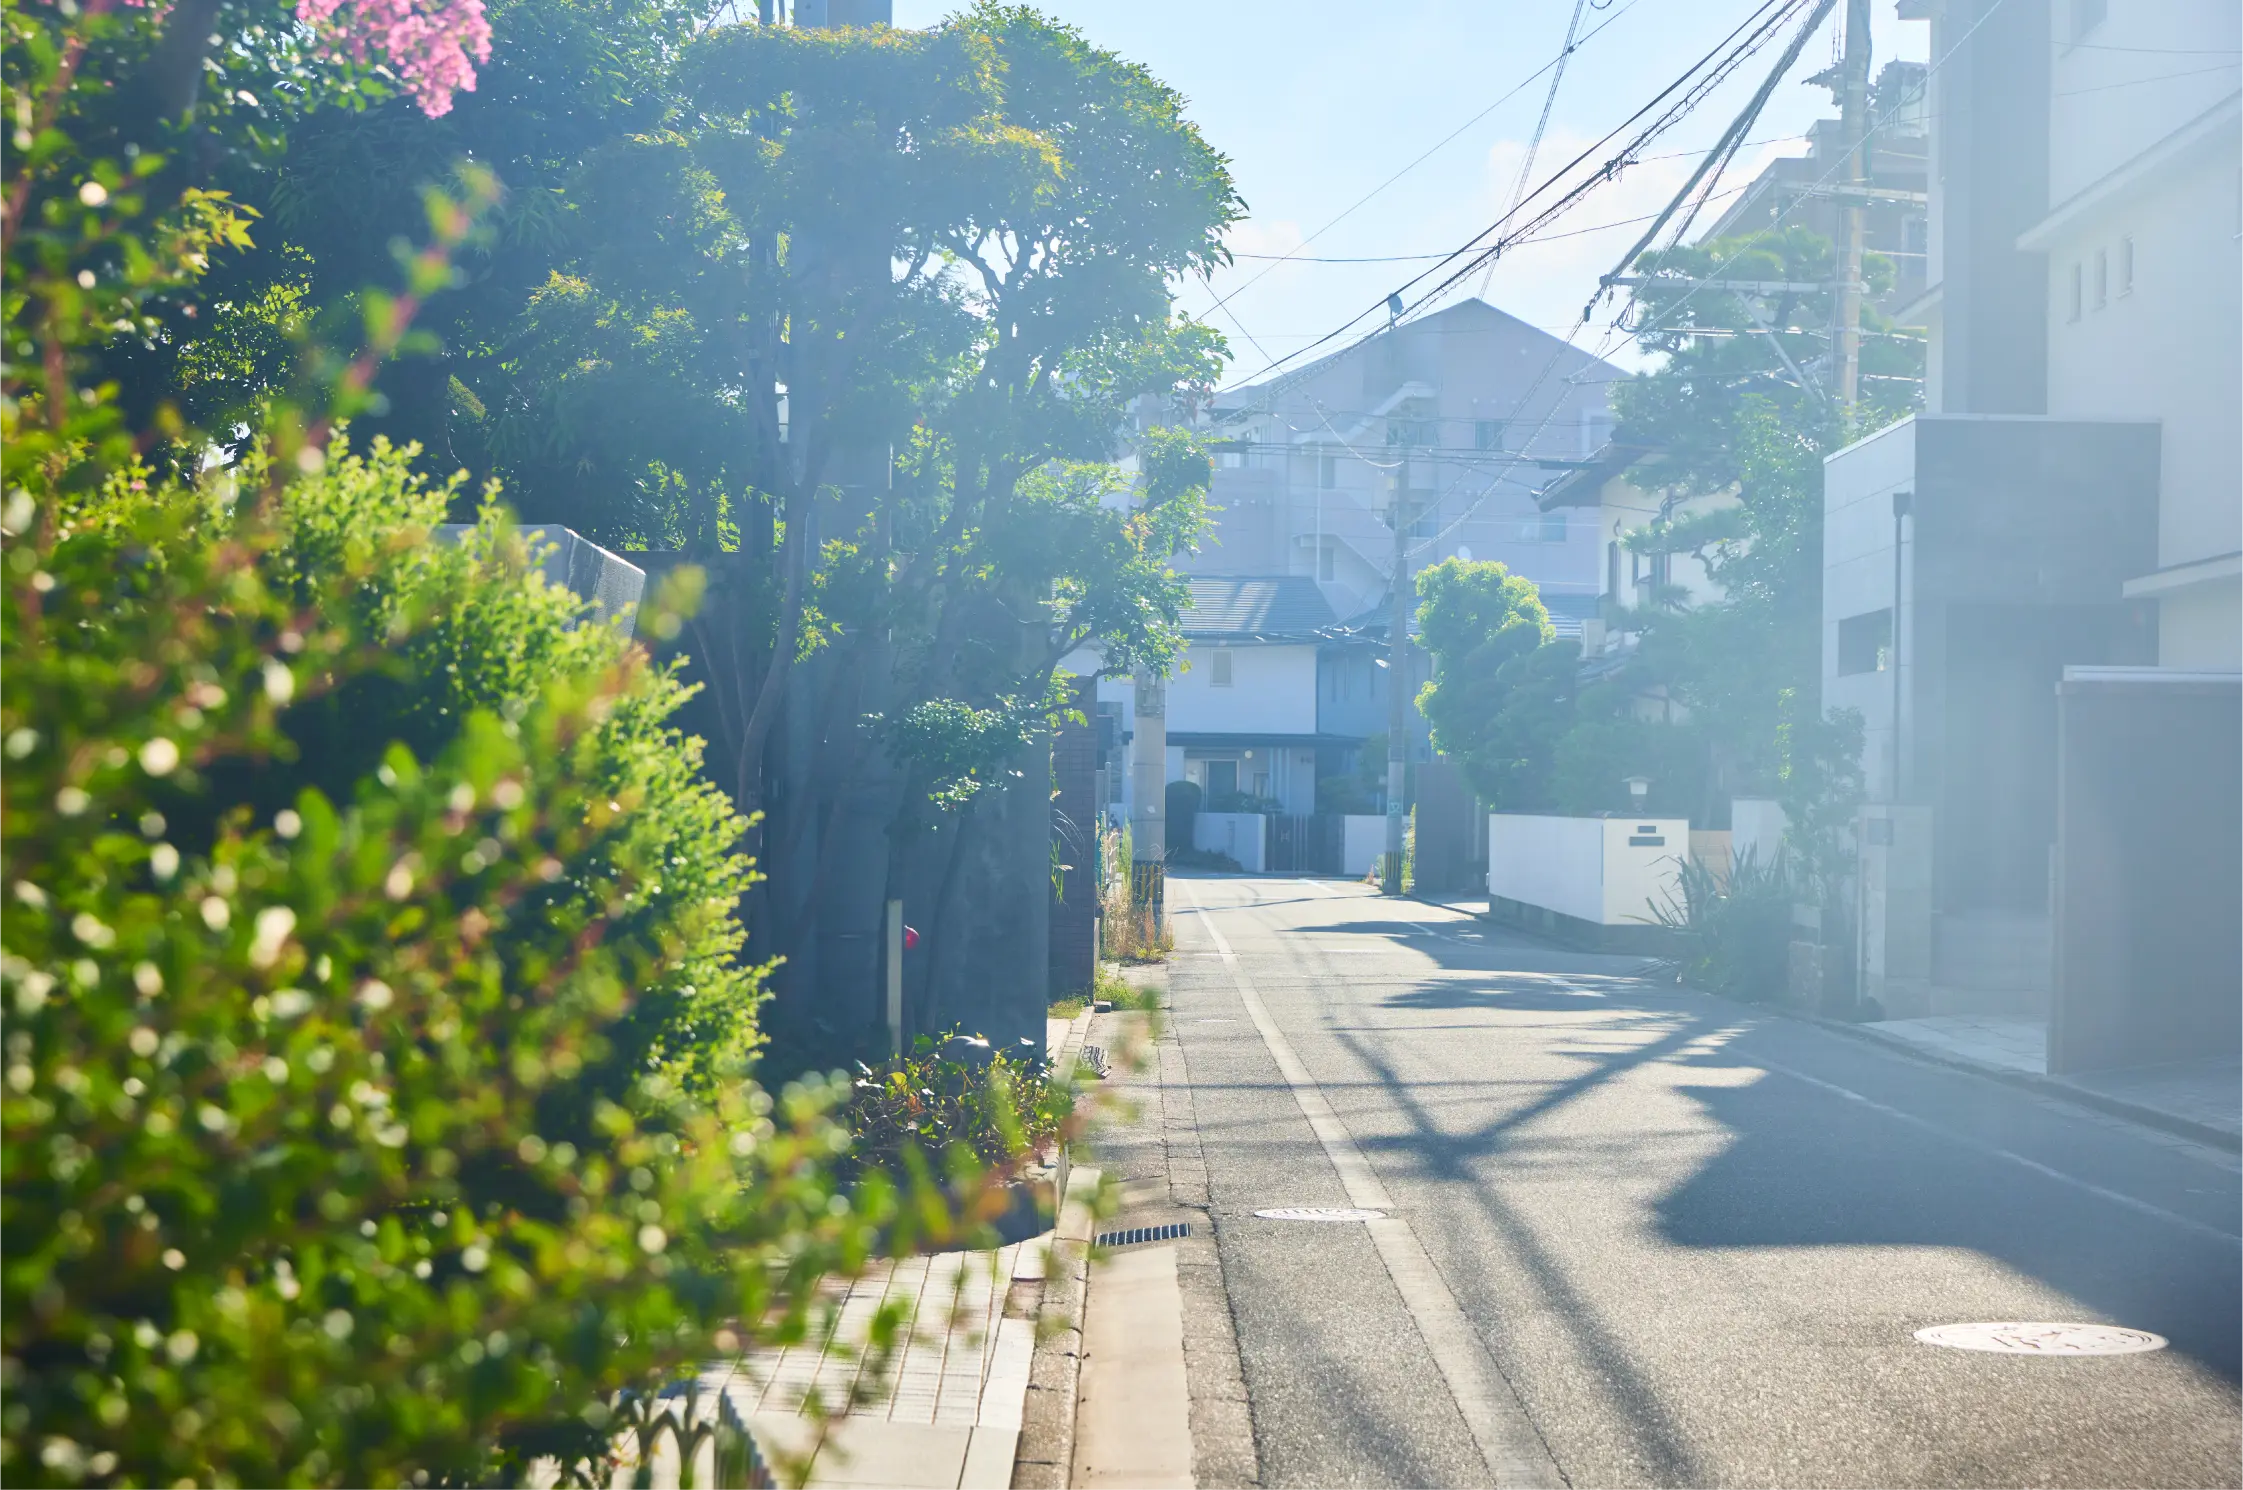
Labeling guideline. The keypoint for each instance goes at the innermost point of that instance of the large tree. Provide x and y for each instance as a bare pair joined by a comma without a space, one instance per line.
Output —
1738,404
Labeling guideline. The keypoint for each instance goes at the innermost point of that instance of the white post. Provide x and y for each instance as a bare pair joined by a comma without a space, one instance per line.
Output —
895,974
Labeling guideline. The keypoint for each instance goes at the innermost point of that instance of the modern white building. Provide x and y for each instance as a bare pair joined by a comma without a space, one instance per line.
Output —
2066,512
2145,192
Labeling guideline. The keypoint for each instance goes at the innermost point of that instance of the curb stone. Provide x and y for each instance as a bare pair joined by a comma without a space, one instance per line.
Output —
1047,1420
2044,1086
2047,1086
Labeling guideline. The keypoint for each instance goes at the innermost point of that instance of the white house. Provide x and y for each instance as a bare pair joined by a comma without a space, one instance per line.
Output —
1242,715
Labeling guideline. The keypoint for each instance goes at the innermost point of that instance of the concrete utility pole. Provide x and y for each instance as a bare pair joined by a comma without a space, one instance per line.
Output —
1398,681
1853,101
1148,786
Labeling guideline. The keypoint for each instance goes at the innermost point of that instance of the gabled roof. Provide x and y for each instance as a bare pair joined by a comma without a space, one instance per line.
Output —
1256,608
1583,486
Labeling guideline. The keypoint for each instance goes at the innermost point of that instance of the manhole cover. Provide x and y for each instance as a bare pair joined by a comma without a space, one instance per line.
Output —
2042,1339
1319,1213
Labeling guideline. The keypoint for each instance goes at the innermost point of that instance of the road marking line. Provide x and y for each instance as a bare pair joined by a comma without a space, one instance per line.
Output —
2117,1197
1506,1437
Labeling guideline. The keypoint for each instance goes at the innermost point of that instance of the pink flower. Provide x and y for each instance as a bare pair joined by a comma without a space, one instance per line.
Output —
429,43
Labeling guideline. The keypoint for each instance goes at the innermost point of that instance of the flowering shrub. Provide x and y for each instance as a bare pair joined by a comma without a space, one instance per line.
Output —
432,45
319,1162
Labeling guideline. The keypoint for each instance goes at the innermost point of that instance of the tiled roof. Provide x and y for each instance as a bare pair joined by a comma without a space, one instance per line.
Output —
1247,606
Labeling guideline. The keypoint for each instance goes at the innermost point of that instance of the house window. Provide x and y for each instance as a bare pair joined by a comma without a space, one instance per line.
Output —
2102,278
1328,472
1327,561
1219,668
1234,460
1865,643
1487,434
2126,265
1550,528
2078,279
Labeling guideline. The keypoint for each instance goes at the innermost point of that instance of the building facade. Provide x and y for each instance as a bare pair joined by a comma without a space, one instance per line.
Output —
2069,507
1468,411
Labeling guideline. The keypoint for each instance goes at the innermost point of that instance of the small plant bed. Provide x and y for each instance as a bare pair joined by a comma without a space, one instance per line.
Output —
962,1128
1000,1107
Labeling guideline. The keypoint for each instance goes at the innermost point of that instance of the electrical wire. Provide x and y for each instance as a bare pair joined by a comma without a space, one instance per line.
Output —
1541,125
1725,147
1714,66
1428,154
1602,227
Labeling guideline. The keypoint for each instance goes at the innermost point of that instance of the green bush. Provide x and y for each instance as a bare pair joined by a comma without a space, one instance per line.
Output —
980,1110
1738,927
359,1129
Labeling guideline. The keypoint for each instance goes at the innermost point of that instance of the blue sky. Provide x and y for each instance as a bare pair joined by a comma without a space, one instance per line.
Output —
1316,103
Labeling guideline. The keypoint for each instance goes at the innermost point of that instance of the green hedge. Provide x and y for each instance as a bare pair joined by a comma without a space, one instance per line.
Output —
360,1124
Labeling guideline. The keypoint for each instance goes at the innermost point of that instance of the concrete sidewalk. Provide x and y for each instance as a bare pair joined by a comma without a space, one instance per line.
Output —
2201,1099
949,1409
948,1413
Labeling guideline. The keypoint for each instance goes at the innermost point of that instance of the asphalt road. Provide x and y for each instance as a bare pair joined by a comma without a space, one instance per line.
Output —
1691,1242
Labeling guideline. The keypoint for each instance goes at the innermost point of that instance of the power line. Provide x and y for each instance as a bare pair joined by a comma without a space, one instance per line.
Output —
1761,24
1725,147
1428,154
1602,227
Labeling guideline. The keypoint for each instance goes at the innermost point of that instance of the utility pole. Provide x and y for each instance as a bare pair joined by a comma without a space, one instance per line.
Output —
1398,679
1853,104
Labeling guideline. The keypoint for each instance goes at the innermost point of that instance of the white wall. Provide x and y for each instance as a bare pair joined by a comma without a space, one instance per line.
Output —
2166,348
1756,825
2144,150
2143,72
1272,692
1362,841
1857,577
1603,870
1622,509
1242,835
1555,862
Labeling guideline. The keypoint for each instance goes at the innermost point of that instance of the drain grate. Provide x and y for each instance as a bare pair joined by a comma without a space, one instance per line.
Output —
1320,1213
1138,1234
2042,1339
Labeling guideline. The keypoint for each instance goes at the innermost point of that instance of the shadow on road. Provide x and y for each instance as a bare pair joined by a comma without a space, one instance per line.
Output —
1805,1174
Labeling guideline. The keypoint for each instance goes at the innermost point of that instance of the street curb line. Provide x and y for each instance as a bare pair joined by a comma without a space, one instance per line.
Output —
1046,1452
2118,1107
1224,1453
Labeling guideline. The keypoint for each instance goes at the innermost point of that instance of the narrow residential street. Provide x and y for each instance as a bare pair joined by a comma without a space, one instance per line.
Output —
1637,1235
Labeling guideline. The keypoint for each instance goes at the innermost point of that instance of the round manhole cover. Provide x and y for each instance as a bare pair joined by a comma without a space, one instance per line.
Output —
1319,1213
2042,1339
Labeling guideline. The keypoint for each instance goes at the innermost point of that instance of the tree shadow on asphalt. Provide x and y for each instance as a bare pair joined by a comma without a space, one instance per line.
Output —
1526,992
1856,1179
1810,1169
1448,1157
